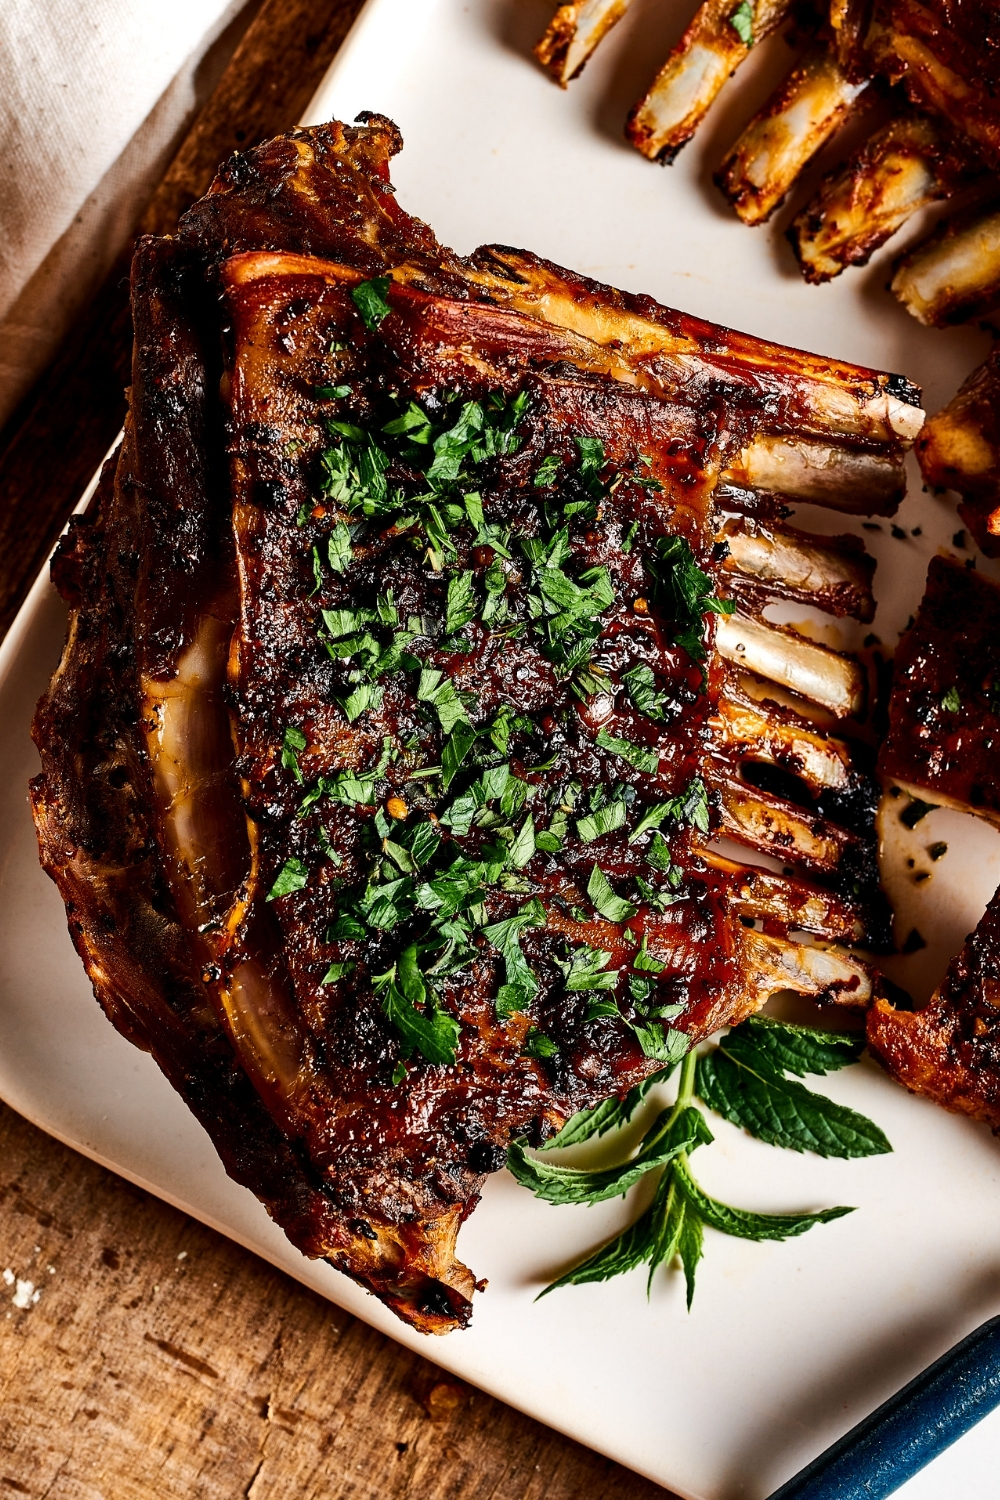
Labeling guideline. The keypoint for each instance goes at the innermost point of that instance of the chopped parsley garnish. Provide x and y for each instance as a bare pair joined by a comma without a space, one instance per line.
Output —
292,876
741,21
369,297
429,876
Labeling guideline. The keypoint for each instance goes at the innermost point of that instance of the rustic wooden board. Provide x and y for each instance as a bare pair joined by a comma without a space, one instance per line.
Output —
162,1360
159,1358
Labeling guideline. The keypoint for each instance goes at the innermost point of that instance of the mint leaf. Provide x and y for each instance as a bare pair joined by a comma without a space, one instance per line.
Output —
641,686
611,1114
606,903
740,1083
505,936
443,696
414,424
415,1013
338,548
636,755
456,748
523,846
335,972
546,472
370,300
293,742
627,1250
292,876
591,451
801,1049
741,1222
586,969
557,1184
366,696
666,1047
686,592
539,1046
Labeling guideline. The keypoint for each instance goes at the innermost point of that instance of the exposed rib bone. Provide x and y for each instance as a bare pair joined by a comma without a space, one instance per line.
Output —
779,828
903,167
680,95
800,117
574,33
809,971
832,573
814,672
954,275
959,449
858,483
794,904
673,353
769,736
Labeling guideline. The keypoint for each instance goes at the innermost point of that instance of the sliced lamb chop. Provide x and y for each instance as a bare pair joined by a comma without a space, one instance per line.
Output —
415,719
909,163
955,274
950,1050
944,712
959,449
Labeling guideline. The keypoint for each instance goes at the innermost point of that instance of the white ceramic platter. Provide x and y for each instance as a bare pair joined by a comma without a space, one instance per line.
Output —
788,1344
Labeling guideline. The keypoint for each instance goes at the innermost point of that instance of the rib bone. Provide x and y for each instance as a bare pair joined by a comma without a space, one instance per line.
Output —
800,117
954,275
574,33
814,672
680,95
832,573
779,828
849,480
900,169
675,354
823,763
793,904
809,971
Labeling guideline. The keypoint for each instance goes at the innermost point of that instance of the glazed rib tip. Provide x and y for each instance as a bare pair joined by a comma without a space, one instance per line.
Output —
573,35
959,449
907,165
717,41
856,481
798,119
814,672
955,274
780,562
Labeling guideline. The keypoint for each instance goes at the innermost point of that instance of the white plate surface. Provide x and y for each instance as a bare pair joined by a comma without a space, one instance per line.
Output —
787,1345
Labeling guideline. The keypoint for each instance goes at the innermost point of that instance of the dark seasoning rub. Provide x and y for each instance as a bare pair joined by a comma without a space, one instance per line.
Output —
480,612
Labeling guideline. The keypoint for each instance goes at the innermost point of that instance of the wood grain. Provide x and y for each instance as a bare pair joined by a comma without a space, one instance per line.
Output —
161,1360
55,441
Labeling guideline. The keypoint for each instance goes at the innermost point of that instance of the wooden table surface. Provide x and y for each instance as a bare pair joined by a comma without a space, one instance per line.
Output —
141,1354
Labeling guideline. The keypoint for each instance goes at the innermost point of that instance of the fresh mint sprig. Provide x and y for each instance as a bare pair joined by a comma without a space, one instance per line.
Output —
743,1078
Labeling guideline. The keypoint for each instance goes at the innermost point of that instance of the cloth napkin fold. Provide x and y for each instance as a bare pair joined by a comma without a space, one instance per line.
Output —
95,96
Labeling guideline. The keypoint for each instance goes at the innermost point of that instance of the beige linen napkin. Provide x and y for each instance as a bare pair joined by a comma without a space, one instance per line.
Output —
94,98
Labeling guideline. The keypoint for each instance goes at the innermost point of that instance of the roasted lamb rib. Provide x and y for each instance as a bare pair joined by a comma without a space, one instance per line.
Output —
383,767
944,735
934,65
